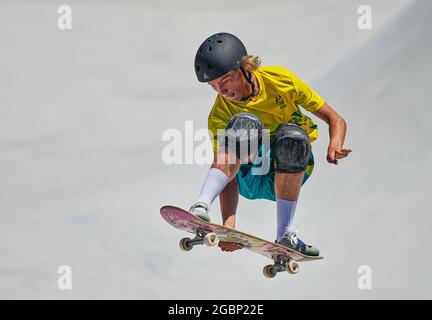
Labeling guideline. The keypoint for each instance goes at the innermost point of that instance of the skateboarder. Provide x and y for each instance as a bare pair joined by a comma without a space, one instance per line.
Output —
253,98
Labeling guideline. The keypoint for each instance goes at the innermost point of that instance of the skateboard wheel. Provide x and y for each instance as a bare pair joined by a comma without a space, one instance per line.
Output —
293,267
185,245
269,271
210,239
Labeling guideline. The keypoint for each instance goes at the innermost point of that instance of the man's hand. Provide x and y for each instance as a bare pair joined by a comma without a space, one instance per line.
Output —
229,246
337,128
335,153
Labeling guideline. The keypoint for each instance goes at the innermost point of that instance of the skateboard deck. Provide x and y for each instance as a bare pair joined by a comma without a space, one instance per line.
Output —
208,233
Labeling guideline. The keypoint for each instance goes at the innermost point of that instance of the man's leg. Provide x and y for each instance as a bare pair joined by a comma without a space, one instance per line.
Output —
239,134
217,179
228,202
291,151
229,198
287,189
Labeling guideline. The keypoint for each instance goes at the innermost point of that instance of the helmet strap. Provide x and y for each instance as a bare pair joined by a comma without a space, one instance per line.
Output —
248,77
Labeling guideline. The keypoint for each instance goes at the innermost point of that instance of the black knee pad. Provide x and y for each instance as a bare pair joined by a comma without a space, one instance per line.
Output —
245,130
290,148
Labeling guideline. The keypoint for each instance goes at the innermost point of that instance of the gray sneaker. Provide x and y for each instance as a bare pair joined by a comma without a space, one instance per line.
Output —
200,210
291,241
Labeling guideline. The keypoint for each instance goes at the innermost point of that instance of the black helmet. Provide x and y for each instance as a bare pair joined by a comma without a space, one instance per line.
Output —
217,55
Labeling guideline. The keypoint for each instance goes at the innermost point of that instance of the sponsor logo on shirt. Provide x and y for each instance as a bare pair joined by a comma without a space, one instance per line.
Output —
279,101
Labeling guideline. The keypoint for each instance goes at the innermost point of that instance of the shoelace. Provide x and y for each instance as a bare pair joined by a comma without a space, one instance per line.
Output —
197,205
292,236
293,239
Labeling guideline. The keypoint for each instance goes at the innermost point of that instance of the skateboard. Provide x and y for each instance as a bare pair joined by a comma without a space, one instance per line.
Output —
207,233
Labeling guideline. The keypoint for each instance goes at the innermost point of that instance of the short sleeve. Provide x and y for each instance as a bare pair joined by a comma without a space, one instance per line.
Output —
293,88
304,95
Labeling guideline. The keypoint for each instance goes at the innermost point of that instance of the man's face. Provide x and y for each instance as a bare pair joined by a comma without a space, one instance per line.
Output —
230,85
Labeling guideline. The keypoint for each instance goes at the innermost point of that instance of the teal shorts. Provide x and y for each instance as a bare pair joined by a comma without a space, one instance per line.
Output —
252,186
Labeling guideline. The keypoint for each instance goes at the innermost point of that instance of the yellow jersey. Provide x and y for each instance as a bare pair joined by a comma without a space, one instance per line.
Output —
281,93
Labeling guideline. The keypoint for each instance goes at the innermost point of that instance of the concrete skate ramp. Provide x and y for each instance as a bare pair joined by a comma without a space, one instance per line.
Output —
375,207
82,180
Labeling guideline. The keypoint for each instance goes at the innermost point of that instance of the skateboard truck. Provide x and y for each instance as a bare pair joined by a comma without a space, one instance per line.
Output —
201,237
281,264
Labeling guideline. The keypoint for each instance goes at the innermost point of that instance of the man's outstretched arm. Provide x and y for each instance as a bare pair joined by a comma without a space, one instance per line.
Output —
337,129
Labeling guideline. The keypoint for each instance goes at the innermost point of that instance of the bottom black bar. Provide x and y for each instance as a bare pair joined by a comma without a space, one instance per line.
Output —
213,309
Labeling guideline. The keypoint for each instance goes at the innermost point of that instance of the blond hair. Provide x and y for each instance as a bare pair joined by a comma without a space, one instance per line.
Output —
251,63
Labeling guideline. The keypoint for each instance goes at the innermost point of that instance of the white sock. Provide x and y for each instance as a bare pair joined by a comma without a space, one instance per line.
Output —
214,183
285,216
